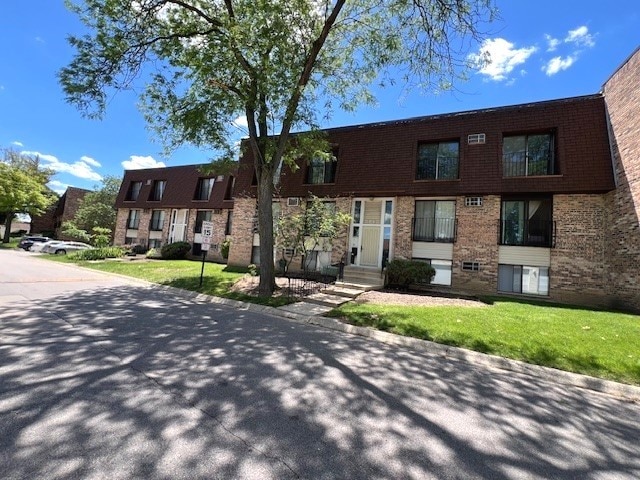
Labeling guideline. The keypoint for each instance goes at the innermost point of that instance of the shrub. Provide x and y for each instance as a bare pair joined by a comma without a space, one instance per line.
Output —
98,253
175,251
407,272
224,248
153,253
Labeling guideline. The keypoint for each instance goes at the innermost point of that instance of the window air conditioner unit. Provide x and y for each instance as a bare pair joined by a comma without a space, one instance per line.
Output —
148,182
293,201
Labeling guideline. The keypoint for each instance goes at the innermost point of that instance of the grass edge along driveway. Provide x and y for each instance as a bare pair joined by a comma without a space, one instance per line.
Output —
591,342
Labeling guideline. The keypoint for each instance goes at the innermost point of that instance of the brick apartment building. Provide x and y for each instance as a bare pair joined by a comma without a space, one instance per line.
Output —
165,205
539,199
50,222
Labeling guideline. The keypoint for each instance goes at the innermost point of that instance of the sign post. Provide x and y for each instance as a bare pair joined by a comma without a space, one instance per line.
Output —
207,234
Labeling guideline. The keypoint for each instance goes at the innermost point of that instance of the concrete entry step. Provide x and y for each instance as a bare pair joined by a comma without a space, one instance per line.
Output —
343,291
326,299
359,285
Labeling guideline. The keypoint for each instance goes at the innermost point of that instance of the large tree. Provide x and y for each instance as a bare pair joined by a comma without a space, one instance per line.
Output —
22,187
275,62
97,208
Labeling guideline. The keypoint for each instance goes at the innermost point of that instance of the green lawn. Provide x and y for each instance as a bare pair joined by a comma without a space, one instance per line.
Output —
598,343
185,274
13,243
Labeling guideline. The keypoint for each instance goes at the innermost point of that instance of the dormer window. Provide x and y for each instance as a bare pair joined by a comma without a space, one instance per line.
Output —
322,171
437,161
203,189
526,155
134,191
157,191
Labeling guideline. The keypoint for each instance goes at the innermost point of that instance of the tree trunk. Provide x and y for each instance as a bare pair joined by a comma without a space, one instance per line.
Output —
7,227
265,228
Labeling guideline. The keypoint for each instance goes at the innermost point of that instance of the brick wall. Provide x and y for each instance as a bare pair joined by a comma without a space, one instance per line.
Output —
121,226
242,232
578,261
622,98
477,241
402,244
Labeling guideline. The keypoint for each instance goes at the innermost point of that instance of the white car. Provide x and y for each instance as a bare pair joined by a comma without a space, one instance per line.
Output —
67,247
42,247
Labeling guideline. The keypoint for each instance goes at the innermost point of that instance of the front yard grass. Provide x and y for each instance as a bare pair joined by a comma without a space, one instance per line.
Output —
13,243
217,280
598,343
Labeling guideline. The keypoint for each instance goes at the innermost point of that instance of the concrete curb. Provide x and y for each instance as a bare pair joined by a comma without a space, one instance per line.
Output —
608,387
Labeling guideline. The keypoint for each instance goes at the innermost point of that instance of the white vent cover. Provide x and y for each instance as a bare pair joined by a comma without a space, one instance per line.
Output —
472,201
476,138
293,201
220,178
148,182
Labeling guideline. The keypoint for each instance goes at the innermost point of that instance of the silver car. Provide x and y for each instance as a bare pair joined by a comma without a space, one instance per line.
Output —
43,247
67,247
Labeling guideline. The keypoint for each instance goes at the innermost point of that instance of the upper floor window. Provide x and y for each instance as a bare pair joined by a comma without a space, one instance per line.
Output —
527,222
231,183
134,191
435,221
157,191
133,220
157,220
525,155
202,216
437,161
203,189
227,228
321,170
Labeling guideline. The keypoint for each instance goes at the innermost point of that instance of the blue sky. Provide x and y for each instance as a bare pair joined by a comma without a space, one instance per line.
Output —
541,50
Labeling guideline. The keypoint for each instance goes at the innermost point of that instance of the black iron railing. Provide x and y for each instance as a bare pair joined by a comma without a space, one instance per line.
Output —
519,164
528,233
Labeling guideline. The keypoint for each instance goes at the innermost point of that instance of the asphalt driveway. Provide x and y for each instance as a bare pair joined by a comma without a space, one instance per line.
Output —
114,379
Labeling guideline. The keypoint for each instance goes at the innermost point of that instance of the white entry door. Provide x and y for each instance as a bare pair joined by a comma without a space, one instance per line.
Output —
371,231
178,228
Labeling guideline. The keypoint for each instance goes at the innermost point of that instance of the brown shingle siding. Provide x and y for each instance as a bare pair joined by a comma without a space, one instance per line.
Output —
381,158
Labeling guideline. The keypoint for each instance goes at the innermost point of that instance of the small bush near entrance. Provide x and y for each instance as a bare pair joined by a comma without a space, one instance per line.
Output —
402,273
175,251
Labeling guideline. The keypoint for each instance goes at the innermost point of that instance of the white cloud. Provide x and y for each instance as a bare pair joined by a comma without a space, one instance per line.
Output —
58,186
241,122
556,64
502,58
552,43
17,144
90,161
581,37
78,169
137,162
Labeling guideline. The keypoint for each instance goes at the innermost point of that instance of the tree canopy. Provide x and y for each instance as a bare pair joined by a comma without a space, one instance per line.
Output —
22,187
97,208
277,63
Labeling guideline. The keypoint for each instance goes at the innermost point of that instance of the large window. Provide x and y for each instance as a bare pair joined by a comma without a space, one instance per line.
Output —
133,220
201,216
527,222
524,155
437,161
322,171
134,191
157,220
203,189
523,279
435,221
157,191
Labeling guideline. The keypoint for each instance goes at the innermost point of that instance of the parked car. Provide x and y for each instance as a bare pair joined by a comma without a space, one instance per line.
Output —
26,242
42,247
68,247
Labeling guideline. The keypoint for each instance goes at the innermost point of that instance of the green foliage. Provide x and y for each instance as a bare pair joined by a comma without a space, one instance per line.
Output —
409,272
97,253
153,253
101,237
22,187
70,229
97,208
175,251
314,228
224,248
